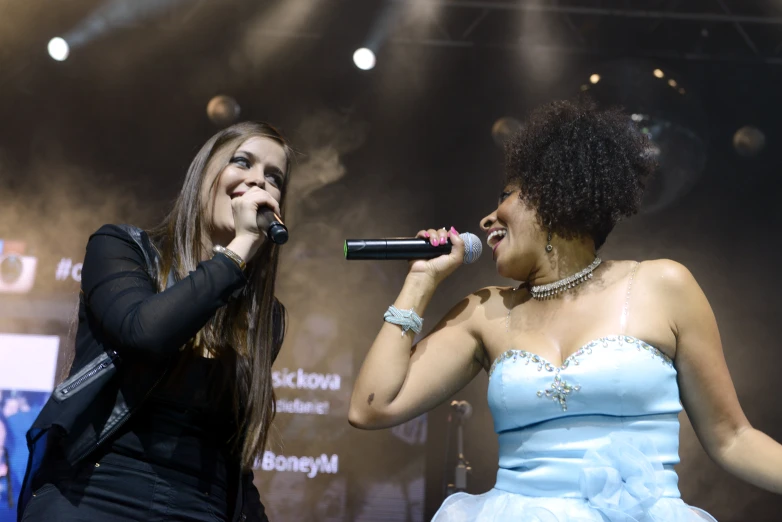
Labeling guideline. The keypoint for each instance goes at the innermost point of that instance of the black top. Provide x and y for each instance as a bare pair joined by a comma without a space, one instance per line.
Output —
120,388
130,314
185,423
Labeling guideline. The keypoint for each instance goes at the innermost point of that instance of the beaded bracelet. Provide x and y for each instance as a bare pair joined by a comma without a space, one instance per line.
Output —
407,319
230,254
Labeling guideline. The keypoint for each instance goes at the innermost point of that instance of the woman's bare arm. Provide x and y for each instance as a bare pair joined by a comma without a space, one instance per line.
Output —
706,388
397,381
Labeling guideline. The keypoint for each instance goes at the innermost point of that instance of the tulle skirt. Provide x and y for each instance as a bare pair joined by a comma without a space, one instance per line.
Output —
502,506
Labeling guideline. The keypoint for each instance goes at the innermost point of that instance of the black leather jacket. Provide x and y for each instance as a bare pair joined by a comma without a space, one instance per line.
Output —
101,393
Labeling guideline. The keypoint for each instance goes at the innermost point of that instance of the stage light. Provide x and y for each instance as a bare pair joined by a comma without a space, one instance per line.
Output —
594,78
364,59
223,110
503,129
749,141
672,82
658,73
681,90
58,49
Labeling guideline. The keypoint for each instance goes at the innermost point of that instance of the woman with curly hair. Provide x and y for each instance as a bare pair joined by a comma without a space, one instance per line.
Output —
587,360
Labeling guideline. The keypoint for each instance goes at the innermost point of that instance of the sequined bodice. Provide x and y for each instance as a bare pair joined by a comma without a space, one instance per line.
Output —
548,417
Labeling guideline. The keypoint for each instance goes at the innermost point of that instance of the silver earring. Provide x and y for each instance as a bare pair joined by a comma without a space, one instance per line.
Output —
549,248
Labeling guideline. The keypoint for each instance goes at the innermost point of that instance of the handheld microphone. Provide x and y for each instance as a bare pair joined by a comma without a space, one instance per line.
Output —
413,248
272,224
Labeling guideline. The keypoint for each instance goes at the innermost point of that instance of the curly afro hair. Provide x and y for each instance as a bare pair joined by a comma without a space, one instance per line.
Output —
581,168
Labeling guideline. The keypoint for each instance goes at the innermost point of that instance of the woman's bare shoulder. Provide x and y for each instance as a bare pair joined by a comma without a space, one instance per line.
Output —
667,274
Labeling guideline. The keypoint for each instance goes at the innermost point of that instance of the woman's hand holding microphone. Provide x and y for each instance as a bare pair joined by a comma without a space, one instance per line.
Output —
248,237
437,269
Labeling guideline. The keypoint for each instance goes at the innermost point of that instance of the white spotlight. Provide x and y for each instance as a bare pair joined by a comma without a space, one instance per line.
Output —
58,49
594,78
364,59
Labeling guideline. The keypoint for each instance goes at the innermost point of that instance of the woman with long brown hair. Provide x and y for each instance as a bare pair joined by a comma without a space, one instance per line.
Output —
169,398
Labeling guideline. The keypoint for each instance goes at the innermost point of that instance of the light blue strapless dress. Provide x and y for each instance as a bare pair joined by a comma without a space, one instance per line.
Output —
593,440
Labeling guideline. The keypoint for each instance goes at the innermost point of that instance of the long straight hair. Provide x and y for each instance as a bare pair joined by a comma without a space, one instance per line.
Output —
246,334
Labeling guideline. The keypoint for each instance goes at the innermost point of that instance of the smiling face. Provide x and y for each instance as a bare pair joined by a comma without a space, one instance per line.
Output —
258,161
514,235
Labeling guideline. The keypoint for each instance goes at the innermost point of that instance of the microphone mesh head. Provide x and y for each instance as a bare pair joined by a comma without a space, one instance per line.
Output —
472,247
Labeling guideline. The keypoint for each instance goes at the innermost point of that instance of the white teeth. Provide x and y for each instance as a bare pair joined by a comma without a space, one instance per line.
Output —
499,234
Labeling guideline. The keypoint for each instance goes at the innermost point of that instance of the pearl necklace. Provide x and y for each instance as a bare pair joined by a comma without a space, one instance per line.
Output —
553,289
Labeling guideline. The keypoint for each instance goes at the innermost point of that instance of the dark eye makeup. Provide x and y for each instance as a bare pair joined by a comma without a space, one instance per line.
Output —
241,160
275,176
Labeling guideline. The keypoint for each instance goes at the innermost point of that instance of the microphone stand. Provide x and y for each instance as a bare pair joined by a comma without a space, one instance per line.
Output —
463,411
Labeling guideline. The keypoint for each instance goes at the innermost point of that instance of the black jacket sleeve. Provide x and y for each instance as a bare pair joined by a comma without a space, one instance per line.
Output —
122,297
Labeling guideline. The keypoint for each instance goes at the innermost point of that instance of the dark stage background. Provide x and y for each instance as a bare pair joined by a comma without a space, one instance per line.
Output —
106,136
